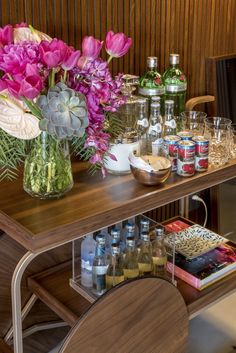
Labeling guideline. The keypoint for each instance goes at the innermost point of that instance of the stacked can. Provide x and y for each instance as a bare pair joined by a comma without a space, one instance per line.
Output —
171,148
186,158
201,153
185,135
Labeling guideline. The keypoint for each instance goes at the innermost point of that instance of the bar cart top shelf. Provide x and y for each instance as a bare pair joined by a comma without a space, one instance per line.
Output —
92,204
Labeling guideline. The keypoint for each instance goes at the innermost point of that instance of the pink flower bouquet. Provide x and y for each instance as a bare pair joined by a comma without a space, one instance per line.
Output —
48,86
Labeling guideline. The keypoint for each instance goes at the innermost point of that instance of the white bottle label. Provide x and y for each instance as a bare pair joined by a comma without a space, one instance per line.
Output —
143,122
100,270
86,265
157,128
171,123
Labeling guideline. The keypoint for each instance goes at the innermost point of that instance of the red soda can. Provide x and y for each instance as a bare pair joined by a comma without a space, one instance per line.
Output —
185,135
171,148
201,153
186,158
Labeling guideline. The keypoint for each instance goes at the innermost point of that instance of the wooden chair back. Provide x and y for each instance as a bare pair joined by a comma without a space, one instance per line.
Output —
146,315
220,82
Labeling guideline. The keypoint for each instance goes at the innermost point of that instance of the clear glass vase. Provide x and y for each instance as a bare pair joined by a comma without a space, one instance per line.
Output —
47,170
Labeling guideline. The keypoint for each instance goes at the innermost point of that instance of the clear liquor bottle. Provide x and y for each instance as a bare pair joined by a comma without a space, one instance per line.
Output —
154,133
150,84
131,268
115,272
169,126
144,228
128,231
159,255
99,268
145,262
88,247
175,84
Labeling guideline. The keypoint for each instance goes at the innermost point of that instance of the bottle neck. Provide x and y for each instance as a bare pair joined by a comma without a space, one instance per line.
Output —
169,111
151,67
100,250
155,112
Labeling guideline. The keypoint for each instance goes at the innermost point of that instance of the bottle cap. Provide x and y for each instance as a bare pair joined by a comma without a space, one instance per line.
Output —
130,227
144,222
169,103
152,61
174,59
115,249
130,241
145,236
115,233
159,231
142,101
100,238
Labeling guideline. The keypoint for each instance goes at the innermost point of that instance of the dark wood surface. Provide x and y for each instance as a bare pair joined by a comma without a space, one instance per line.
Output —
58,277
145,315
157,27
4,348
92,204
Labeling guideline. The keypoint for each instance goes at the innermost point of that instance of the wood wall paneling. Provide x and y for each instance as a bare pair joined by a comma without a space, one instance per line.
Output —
196,29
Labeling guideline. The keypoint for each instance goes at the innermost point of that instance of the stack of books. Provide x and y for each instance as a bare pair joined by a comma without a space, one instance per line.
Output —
202,257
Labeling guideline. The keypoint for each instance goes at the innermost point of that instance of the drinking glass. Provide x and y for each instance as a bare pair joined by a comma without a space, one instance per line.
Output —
217,130
232,144
193,121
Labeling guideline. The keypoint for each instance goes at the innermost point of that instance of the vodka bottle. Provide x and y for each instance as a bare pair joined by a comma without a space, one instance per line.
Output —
175,84
150,84
99,266
131,268
169,127
115,273
154,133
144,227
145,262
159,255
88,246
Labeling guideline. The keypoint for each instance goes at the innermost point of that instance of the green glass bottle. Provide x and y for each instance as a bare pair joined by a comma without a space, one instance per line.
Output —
150,84
131,268
175,84
115,272
145,262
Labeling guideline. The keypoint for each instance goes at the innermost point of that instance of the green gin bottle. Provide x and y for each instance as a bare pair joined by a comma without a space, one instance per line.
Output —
150,84
175,84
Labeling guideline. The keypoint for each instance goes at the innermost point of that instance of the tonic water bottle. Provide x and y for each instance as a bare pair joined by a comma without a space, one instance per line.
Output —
154,133
159,255
115,273
169,126
131,268
99,266
145,262
175,84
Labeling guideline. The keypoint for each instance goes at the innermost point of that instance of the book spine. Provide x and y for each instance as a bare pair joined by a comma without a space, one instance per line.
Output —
184,276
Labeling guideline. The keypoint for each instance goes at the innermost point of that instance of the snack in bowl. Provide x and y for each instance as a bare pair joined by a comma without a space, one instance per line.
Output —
150,170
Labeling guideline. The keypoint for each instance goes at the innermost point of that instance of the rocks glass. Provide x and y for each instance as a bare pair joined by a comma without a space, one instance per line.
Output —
217,130
192,121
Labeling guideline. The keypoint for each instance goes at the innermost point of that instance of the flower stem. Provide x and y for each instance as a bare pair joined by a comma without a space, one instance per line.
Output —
64,76
109,59
33,108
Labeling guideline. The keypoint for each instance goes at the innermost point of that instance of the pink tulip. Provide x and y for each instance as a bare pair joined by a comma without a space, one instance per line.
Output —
53,53
117,44
6,35
71,60
31,86
91,47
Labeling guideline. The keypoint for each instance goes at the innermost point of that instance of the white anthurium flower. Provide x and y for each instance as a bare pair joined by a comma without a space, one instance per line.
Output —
29,34
15,120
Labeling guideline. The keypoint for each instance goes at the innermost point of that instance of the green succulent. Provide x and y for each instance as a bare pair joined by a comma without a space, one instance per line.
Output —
64,112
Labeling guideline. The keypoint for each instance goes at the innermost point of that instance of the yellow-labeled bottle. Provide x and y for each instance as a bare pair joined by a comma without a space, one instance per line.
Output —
131,268
159,255
145,262
115,273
